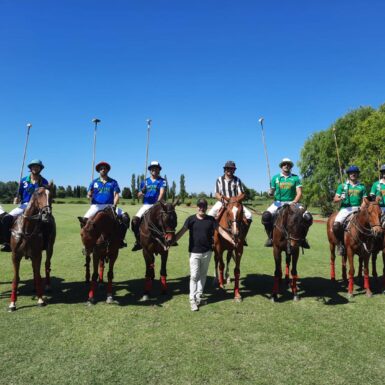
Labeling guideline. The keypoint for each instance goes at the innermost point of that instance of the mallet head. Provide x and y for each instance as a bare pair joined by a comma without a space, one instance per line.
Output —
29,125
96,120
260,120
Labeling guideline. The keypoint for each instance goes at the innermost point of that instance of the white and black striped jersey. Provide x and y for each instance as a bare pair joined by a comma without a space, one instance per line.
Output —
229,188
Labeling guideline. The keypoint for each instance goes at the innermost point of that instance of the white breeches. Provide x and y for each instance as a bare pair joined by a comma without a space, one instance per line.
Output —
343,213
143,209
218,205
98,207
277,204
2,211
17,211
199,264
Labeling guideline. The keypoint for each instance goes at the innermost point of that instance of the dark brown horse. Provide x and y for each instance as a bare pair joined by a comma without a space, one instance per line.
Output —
232,220
32,232
101,239
157,233
289,232
360,237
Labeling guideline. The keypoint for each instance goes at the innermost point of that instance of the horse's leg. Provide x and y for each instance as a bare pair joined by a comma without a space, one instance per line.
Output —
93,285
36,265
294,275
49,253
350,256
15,282
110,277
344,259
149,259
287,268
277,272
383,271
366,275
237,273
332,248
374,270
87,266
101,270
163,272
228,259
221,268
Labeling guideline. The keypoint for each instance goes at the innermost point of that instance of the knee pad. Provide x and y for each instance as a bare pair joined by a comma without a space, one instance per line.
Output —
267,218
308,218
337,226
126,219
135,223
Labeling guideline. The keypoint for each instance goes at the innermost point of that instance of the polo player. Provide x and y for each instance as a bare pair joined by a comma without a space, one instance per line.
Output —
152,190
104,192
286,188
350,194
27,187
378,188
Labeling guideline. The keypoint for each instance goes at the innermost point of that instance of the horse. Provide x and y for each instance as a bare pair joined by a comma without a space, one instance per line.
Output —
289,232
360,237
232,220
31,233
101,238
157,233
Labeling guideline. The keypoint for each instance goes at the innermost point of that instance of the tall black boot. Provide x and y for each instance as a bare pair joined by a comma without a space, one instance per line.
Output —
309,221
135,223
338,231
7,222
247,230
124,224
83,221
267,221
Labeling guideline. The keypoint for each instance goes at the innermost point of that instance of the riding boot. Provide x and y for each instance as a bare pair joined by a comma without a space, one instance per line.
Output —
124,224
267,221
7,222
338,231
83,221
247,230
309,221
135,223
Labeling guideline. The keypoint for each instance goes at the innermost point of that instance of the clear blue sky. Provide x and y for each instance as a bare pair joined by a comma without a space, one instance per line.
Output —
204,71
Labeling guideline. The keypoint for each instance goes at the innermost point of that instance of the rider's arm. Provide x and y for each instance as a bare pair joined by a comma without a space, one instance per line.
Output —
225,235
161,194
240,197
337,198
180,233
116,198
299,194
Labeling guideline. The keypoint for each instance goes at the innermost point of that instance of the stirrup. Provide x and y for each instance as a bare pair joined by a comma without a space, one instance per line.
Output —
269,243
305,244
137,246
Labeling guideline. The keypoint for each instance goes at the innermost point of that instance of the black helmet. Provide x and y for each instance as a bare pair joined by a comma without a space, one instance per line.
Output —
382,168
230,164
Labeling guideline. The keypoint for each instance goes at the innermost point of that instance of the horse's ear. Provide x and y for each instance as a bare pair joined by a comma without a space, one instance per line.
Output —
175,203
378,199
366,201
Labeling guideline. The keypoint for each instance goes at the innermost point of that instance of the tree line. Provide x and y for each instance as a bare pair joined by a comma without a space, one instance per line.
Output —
359,135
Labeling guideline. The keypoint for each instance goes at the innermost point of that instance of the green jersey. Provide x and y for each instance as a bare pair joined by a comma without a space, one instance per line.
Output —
354,193
285,187
378,189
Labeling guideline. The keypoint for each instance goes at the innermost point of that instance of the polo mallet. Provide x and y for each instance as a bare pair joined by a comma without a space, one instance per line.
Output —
260,120
29,125
338,153
95,121
149,121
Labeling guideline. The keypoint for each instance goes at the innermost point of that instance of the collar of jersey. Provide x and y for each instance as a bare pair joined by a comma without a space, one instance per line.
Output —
285,175
100,180
350,182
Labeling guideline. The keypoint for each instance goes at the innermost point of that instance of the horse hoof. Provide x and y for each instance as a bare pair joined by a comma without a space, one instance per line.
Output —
296,298
238,299
11,309
333,279
228,281
110,299
369,294
41,304
145,298
274,298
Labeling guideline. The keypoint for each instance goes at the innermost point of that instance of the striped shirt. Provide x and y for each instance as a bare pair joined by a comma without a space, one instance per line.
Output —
229,187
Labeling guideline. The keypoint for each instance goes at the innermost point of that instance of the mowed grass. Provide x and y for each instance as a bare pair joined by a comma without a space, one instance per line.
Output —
322,339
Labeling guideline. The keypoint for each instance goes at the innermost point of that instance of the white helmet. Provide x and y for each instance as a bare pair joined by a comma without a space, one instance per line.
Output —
286,160
154,163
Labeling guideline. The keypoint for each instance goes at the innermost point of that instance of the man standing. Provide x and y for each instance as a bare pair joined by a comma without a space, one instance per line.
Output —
104,192
201,228
27,187
286,189
350,194
152,190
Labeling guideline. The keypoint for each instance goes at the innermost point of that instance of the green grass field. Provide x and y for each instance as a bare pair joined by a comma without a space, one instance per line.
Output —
322,339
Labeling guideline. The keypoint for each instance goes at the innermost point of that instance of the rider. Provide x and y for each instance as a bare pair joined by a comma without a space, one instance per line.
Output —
152,190
27,187
229,186
378,188
350,194
286,189
104,192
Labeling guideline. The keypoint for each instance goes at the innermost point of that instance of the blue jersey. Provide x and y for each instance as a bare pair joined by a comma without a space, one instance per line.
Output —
152,189
27,188
103,192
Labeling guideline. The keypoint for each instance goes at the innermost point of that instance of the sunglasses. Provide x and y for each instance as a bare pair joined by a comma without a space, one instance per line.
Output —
202,207
286,164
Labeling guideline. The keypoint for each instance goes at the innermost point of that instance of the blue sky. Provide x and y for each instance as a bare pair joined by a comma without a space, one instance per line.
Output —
204,71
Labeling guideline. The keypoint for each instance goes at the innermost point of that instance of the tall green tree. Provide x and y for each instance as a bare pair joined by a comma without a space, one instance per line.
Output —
182,189
133,189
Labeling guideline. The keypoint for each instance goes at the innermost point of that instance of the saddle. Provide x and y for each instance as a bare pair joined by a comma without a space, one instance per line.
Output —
345,223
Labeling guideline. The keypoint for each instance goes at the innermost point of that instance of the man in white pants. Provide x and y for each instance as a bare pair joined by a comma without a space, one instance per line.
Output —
201,228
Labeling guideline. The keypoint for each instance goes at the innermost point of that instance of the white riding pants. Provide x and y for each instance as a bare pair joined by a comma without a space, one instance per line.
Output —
143,209
277,204
199,264
17,211
343,213
218,205
98,207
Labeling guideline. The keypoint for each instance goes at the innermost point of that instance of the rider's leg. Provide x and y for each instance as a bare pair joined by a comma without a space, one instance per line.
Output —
7,222
249,219
215,209
124,224
267,221
309,221
94,208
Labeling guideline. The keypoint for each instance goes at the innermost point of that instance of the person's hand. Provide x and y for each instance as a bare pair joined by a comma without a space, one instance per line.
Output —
343,196
16,200
271,192
140,194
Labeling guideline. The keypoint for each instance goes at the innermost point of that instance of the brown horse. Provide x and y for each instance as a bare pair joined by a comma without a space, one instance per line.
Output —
32,232
360,237
157,233
232,220
289,232
101,238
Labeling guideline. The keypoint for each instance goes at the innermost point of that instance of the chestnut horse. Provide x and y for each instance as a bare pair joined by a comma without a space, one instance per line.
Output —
32,232
289,232
232,220
157,233
360,237
101,238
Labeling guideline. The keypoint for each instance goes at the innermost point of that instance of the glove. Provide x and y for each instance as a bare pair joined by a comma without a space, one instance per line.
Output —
343,196
271,192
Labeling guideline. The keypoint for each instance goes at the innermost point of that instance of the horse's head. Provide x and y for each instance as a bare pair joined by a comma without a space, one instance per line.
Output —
296,225
40,205
234,217
374,213
167,221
